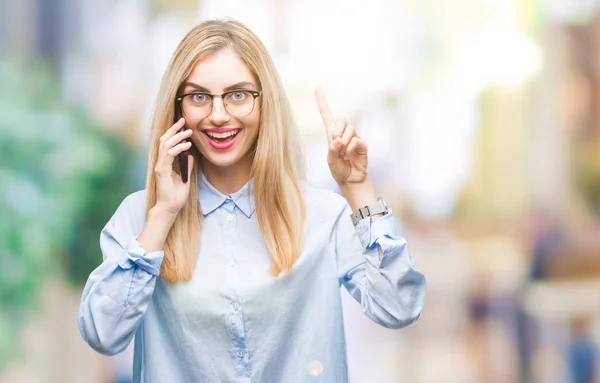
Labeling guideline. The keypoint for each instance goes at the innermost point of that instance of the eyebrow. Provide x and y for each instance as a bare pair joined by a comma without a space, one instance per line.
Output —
237,85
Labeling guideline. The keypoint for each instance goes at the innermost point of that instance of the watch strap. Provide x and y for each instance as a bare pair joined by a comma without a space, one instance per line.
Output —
370,210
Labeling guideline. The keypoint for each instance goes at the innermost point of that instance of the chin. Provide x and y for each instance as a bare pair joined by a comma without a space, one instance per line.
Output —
222,159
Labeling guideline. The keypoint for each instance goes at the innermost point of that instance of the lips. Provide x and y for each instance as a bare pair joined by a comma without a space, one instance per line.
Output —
222,135
221,139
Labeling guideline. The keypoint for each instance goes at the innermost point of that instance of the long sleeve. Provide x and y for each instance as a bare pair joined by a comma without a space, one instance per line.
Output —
390,291
118,292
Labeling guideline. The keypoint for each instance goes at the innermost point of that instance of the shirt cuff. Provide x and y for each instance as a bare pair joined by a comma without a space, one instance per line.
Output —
369,230
136,255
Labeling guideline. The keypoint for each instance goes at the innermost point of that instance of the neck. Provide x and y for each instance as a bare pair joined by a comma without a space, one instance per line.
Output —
227,179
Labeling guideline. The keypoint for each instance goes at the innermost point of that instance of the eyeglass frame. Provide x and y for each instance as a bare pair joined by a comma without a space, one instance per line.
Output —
254,93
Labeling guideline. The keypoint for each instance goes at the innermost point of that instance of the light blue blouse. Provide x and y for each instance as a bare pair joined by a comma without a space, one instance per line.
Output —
234,321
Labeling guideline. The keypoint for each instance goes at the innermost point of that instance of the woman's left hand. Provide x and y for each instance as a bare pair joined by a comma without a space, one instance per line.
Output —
347,154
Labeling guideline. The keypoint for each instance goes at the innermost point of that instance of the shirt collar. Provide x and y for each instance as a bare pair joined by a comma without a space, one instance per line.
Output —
211,199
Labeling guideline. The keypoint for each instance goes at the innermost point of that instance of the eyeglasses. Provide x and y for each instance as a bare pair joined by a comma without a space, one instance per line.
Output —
198,105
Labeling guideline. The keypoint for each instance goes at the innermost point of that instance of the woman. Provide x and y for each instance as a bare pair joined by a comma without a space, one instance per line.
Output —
235,275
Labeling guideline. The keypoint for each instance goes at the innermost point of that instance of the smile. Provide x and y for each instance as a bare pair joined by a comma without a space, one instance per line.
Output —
222,135
221,140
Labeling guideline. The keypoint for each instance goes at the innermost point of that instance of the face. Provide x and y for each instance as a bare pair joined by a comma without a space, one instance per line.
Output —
223,139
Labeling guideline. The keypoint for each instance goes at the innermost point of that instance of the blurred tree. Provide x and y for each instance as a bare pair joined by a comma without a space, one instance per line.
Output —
61,178
586,171
159,7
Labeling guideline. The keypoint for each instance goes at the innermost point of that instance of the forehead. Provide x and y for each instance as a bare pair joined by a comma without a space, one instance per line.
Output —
221,70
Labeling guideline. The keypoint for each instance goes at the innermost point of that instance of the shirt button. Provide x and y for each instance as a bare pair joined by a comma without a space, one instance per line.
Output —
229,218
236,305
240,353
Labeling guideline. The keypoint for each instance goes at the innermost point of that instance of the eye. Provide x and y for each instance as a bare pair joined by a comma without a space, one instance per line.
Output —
238,96
199,98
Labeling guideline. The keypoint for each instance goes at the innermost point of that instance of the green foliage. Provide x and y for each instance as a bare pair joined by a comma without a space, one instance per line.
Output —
159,7
61,178
587,173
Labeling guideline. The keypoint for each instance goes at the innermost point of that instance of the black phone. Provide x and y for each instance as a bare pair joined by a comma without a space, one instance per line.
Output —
183,156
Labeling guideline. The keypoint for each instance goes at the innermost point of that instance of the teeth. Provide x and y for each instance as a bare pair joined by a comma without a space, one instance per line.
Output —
223,135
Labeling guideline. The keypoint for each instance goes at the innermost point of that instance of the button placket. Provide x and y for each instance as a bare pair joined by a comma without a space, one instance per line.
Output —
229,224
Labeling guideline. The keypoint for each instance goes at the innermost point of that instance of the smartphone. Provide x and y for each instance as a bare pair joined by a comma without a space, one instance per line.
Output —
183,156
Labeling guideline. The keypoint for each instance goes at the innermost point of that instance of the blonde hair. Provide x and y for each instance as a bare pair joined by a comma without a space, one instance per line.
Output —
277,167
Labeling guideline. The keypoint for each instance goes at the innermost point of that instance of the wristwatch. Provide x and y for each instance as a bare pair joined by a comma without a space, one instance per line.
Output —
370,210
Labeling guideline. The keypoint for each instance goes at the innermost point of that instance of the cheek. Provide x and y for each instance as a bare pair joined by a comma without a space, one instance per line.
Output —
197,142
253,123
252,135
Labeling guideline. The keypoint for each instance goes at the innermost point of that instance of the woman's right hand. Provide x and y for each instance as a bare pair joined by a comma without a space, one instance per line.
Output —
171,192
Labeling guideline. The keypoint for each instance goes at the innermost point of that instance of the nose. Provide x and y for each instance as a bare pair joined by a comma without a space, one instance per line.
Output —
218,115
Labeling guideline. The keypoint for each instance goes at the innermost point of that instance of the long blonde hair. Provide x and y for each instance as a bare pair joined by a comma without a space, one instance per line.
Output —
277,168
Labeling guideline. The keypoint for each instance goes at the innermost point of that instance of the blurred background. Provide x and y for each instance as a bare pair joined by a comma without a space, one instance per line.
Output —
483,122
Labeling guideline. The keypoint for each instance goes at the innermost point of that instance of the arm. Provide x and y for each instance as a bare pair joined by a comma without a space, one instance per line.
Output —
375,266
118,292
373,261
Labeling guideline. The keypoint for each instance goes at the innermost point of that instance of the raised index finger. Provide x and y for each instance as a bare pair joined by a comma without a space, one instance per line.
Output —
326,114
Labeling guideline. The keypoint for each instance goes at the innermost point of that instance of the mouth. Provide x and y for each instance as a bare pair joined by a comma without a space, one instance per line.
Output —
221,140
